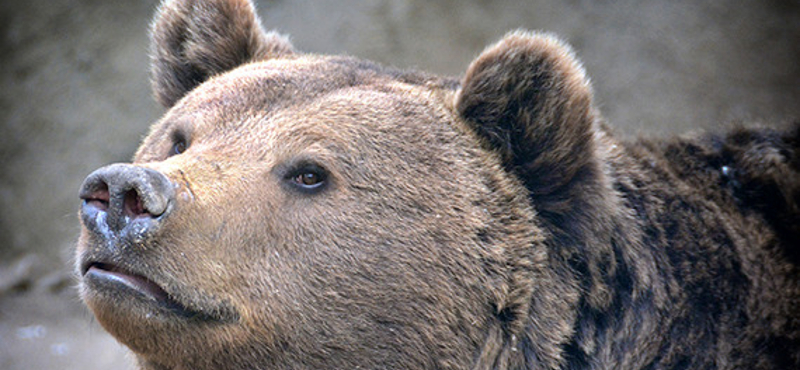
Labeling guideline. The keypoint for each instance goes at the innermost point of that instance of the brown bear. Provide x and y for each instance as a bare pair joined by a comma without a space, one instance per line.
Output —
300,211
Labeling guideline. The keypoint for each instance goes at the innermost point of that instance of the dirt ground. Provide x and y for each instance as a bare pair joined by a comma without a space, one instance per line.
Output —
75,95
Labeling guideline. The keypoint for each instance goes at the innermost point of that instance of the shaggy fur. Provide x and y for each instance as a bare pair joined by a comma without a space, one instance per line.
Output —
488,223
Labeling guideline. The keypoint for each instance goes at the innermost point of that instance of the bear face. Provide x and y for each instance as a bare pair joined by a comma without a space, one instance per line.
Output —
258,256
299,211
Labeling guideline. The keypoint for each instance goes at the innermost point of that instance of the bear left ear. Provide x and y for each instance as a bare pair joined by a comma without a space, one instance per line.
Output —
192,40
530,100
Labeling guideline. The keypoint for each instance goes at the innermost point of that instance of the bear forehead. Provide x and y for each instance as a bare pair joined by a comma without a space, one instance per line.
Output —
323,97
280,107
266,86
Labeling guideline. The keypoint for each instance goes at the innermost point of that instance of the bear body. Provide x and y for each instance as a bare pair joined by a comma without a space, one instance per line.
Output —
296,211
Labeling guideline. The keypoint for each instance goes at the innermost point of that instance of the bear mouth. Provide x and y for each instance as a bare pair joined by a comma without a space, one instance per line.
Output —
136,282
112,274
113,279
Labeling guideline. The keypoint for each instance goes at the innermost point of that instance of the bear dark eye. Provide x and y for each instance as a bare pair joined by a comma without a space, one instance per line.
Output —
308,178
179,145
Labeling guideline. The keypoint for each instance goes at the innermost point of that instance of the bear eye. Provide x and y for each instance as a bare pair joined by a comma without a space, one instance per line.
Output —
308,178
179,145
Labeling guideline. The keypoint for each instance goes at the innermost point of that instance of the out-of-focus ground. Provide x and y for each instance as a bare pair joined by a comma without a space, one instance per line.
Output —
75,96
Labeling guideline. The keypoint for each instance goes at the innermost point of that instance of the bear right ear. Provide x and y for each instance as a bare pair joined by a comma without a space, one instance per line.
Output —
192,40
530,100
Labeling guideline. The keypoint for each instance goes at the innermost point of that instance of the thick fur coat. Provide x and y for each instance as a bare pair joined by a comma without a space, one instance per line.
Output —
299,211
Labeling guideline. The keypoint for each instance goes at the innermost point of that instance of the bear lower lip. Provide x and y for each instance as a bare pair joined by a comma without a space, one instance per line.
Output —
111,278
136,282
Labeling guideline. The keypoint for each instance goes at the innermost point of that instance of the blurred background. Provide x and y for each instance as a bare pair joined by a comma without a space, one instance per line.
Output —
75,95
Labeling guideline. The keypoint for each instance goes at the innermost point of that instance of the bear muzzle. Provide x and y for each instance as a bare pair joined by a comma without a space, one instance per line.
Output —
124,207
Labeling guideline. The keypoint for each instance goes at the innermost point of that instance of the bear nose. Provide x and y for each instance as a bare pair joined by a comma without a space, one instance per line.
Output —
119,196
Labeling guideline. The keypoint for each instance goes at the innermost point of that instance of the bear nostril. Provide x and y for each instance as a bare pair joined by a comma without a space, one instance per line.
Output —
132,204
98,198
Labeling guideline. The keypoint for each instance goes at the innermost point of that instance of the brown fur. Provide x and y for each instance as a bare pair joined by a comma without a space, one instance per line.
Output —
491,223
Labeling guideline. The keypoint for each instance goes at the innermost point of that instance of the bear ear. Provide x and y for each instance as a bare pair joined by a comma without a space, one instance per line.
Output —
192,40
530,100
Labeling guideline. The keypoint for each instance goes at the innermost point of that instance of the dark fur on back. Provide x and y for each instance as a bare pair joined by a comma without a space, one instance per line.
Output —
718,215
717,211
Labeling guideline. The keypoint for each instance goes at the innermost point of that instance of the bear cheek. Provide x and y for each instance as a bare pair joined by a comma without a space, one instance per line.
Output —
222,241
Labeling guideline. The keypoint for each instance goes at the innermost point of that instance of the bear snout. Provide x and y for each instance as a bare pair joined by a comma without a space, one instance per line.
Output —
125,201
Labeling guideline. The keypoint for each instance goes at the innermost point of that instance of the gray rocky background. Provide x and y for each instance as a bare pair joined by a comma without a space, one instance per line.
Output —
74,95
